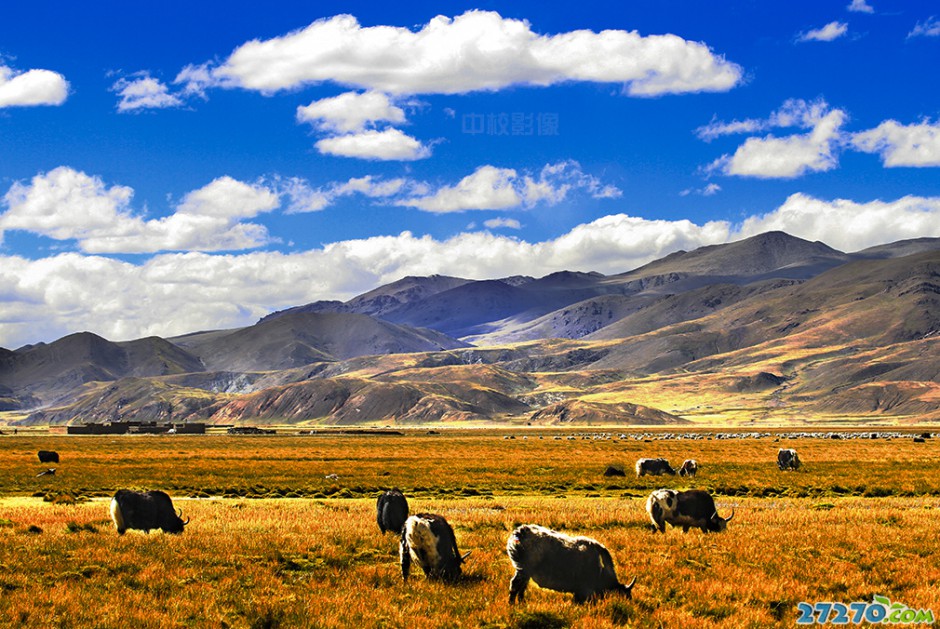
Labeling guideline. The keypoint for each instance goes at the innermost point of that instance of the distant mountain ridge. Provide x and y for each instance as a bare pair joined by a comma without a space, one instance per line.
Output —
822,332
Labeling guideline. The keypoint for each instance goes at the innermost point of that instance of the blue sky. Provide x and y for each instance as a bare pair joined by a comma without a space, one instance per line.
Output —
182,166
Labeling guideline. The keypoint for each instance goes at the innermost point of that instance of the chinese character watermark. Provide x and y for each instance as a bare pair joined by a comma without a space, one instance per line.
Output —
515,123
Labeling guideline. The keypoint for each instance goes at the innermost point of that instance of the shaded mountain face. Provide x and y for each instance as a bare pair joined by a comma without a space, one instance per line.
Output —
49,371
300,338
899,249
869,303
775,254
383,299
520,308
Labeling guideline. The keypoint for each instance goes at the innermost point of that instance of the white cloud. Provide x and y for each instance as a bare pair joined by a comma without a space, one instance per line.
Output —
928,28
496,223
302,198
371,186
172,294
794,112
488,188
389,144
716,128
784,157
848,225
196,79
351,111
492,188
144,92
902,145
479,50
829,32
32,87
228,198
860,6
708,191
66,204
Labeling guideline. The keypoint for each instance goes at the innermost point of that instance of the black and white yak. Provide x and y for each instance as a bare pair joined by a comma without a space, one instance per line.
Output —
391,511
653,467
788,459
689,468
555,561
145,511
428,540
694,508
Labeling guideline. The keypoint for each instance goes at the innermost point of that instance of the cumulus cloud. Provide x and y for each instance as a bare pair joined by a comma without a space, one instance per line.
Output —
772,157
32,87
848,225
66,204
478,50
385,145
351,111
487,188
170,294
829,32
902,145
928,28
492,188
860,6
142,91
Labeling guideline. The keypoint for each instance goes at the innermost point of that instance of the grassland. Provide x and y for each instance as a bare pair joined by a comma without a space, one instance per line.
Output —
281,545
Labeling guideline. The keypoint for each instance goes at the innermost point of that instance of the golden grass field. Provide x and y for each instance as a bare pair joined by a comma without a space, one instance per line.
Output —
861,519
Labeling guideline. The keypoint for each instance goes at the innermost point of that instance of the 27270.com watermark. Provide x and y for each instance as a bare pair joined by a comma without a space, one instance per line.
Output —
880,611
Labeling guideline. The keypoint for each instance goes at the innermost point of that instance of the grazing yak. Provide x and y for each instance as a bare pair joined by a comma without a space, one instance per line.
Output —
428,539
48,456
653,467
688,509
145,511
391,511
689,468
556,561
788,459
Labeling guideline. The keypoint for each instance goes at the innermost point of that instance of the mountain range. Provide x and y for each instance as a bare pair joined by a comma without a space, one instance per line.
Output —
771,329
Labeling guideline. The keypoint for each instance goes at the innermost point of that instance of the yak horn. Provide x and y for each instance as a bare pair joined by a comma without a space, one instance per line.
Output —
465,555
629,586
728,519
186,522
179,513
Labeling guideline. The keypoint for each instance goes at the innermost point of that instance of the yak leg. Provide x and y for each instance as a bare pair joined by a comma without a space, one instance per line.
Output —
520,581
404,555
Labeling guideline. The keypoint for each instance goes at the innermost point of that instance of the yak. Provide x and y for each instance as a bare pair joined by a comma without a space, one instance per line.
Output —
689,468
48,456
555,561
788,459
145,511
428,540
653,467
391,511
688,509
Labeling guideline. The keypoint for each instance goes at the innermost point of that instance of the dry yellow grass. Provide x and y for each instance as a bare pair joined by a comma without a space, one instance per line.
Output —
310,562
